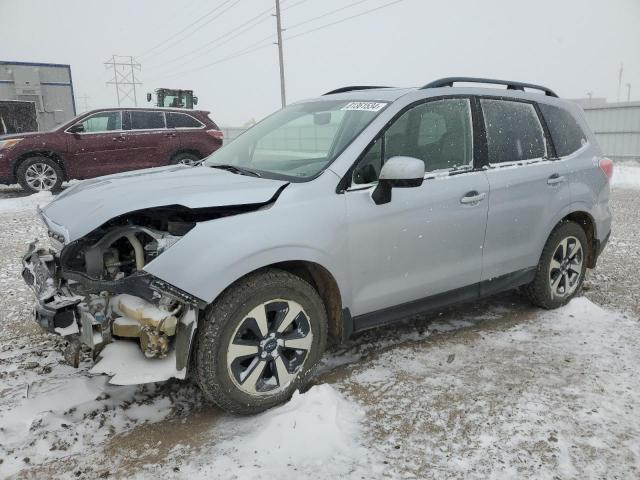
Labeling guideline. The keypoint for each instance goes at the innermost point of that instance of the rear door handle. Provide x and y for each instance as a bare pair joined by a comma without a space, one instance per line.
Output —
121,138
473,197
555,179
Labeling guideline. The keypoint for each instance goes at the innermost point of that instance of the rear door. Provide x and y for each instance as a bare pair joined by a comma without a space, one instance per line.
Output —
98,149
192,133
151,143
528,188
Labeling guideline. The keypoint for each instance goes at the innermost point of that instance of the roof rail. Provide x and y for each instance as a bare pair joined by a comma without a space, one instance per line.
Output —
352,88
449,81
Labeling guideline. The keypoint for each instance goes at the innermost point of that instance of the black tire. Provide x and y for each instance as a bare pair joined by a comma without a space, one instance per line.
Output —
221,328
55,175
185,158
541,291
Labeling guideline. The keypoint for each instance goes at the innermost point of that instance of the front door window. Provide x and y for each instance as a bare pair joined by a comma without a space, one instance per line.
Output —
438,132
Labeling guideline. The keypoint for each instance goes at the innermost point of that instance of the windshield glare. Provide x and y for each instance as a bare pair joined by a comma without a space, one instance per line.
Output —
300,140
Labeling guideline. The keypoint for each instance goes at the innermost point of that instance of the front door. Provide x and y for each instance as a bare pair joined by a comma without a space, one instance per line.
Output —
428,239
93,152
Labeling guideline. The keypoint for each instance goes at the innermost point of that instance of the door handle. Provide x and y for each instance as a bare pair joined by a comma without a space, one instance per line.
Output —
555,179
473,197
119,139
169,134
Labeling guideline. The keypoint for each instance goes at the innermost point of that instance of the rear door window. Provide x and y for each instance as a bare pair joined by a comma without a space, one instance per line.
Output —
513,131
567,135
181,120
146,120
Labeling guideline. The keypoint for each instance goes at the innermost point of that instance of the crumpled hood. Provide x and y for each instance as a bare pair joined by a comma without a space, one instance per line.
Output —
87,205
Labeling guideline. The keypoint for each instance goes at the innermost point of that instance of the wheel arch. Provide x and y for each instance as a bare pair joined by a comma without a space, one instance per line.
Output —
321,279
588,224
50,154
579,214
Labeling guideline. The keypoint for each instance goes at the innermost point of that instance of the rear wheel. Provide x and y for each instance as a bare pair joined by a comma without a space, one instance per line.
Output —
260,342
562,267
186,159
38,174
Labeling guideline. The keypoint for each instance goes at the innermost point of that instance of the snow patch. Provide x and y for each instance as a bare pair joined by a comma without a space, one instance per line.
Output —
128,365
626,176
21,204
315,435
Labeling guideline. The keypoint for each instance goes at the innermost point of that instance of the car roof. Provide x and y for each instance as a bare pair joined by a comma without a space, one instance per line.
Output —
155,109
445,86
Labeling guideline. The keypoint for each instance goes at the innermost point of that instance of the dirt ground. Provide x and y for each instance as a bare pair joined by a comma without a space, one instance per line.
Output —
491,389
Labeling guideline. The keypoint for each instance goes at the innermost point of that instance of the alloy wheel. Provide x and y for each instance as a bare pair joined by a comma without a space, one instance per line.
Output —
41,176
269,347
565,267
192,162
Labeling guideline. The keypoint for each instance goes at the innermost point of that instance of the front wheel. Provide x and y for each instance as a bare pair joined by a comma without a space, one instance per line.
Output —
40,174
260,342
562,267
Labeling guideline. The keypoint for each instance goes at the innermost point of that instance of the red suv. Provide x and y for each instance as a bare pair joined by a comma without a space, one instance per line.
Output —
101,142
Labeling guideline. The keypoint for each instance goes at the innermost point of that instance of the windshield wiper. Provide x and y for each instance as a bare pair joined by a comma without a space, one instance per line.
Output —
236,169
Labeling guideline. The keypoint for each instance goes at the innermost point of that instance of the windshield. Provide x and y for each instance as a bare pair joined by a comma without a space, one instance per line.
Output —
298,141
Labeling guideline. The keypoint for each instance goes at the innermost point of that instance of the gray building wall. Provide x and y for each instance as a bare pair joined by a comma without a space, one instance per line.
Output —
617,128
49,86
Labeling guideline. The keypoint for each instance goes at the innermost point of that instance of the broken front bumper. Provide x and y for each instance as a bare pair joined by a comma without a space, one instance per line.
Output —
101,317
55,306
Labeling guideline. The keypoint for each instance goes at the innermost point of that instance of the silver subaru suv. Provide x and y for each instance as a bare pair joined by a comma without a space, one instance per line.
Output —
334,215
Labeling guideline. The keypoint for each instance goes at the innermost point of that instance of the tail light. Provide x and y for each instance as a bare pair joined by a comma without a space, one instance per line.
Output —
217,134
606,165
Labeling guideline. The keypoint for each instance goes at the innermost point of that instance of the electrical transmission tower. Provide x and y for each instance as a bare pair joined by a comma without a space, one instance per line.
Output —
124,77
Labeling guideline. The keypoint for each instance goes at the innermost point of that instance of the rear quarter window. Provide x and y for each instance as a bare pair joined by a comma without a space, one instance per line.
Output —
566,133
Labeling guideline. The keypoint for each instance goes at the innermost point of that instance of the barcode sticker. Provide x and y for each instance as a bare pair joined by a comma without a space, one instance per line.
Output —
365,106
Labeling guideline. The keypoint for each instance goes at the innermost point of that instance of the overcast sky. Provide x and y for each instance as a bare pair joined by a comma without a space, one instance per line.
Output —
572,46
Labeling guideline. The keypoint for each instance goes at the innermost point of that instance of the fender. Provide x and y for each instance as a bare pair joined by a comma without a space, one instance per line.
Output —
54,155
573,207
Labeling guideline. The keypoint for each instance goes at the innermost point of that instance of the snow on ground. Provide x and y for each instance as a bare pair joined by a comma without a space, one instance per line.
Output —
317,434
626,175
495,389
25,203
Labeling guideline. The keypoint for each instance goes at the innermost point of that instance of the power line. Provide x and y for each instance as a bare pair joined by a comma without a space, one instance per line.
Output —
191,32
343,20
327,14
226,37
247,50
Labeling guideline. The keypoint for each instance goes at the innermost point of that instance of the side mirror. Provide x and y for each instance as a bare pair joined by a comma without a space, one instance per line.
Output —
195,100
77,128
398,172
148,97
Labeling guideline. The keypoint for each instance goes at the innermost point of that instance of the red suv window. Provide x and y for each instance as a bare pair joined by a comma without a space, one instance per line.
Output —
146,120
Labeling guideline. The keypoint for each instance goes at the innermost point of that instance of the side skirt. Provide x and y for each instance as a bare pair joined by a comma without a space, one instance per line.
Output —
387,316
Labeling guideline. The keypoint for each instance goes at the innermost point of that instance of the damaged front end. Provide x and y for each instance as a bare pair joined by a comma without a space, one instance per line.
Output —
94,291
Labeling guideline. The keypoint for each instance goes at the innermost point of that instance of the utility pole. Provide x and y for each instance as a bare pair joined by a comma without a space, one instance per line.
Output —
619,81
279,31
124,77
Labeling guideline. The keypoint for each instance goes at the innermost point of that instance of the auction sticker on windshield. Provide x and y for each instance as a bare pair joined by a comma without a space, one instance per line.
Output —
365,106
